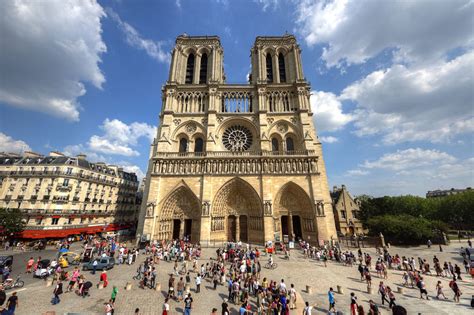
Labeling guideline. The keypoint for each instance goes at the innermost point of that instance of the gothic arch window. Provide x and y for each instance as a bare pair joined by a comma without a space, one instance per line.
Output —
183,145
190,69
290,145
199,145
281,68
203,70
269,68
275,146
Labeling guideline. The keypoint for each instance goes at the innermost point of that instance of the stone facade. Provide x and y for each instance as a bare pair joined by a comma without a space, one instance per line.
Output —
346,212
236,161
58,192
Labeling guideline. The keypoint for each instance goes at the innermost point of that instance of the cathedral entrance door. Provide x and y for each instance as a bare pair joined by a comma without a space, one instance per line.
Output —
297,227
176,227
188,223
243,229
231,228
284,225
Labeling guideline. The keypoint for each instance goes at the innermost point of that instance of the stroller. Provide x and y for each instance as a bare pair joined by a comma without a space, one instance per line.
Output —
85,289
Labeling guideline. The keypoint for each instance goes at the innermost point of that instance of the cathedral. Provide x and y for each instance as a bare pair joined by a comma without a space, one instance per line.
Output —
236,162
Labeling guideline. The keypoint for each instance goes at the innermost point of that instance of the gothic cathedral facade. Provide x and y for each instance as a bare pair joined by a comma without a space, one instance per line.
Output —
236,162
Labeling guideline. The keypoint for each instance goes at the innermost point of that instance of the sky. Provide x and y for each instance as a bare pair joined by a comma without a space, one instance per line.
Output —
392,81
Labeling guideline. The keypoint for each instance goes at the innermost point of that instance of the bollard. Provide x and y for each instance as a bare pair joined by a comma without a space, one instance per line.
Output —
400,290
370,290
128,286
158,286
49,282
309,289
100,286
340,290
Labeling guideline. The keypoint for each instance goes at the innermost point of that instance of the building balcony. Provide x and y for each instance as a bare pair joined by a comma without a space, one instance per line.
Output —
63,188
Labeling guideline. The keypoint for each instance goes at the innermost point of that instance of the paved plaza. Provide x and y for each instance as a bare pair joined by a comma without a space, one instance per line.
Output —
35,296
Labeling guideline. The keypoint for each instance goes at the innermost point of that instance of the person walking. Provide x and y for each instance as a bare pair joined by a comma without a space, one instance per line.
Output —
12,303
439,290
457,292
292,294
94,266
198,283
421,285
391,297
353,304
188,304
383,292
3,295
58,290
332,301
166,307
114,293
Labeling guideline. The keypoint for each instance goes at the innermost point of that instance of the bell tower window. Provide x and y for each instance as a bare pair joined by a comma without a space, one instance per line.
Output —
203,70
190,69
281,68
269,68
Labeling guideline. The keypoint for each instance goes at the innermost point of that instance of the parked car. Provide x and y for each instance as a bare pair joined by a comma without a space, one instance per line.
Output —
103,263
6,261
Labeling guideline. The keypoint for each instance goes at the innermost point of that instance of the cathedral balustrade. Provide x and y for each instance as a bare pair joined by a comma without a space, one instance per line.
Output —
258,165
233,154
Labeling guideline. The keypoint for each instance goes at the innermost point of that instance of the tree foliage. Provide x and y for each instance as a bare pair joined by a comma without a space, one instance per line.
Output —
411,219
11,221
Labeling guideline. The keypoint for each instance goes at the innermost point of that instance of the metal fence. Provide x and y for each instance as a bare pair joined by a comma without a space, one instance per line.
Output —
356,242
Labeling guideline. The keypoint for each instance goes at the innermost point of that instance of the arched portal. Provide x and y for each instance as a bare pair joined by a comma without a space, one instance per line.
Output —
180,216
237,213
295,212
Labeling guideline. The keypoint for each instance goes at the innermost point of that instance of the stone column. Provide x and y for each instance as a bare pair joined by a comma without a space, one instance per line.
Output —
237,228
181,229
197,67
290,227
172,75
276,70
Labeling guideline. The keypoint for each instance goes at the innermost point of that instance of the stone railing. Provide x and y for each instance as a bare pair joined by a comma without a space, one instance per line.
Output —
232,154
259,165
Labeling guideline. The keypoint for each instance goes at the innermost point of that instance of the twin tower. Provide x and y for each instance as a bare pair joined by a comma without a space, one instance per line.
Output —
236,162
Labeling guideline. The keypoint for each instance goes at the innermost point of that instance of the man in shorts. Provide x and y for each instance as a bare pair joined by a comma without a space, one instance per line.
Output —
332,301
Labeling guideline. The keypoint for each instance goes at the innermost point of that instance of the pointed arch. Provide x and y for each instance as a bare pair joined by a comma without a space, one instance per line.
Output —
179,215
292,198
237,206
281,68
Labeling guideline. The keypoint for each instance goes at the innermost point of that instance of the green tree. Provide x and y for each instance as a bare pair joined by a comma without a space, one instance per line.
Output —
11,221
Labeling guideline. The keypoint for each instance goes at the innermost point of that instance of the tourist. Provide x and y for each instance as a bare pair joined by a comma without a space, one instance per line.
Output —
391,297
353,304
166,307
225,308
373,308
439,290
103,278
383,292
198,283
180,288
109,308
74,277
29,265
114,293
12,303
421,285
188,304
292,294
214,311
58,290
457,292
332,301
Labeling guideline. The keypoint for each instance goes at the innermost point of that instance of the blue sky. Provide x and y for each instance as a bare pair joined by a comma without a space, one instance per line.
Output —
392,82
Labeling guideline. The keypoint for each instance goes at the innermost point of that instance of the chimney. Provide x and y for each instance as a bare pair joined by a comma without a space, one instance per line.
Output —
31,154
343,187
81,156
55,154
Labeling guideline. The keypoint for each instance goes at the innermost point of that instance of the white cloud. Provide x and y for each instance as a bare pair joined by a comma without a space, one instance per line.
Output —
131,168
409,159
431,103
266,4
354,31
357,172
413,171
10,145
153,48
118,139
329,139
49,49
327,109
178,4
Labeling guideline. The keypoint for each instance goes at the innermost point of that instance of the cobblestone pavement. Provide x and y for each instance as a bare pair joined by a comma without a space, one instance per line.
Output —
35,298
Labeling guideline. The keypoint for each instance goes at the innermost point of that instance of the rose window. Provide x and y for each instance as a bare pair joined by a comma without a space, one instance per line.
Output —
237,138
